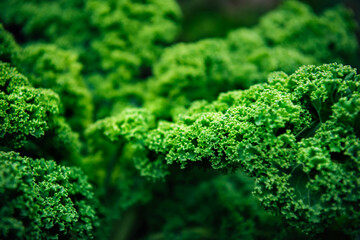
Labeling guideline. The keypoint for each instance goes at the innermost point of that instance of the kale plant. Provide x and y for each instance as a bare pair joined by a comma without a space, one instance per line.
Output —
110,128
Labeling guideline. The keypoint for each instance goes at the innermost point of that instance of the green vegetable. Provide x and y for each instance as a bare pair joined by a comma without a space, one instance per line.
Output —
133,35
134,32
111,128
42,200
31,120
285,39
48,66
297,136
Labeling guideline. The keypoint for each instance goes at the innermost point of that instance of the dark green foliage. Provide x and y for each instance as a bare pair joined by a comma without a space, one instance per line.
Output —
229,206
41,200
9,51
114,165
298,136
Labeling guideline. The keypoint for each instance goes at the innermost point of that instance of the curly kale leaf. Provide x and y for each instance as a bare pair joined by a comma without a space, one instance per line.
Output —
30,119
25,111
119,139
284,40
133,35
48,66
297,136
40,199
133,32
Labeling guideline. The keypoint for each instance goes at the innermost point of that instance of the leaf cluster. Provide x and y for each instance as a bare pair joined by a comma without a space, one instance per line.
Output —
251,136
297,136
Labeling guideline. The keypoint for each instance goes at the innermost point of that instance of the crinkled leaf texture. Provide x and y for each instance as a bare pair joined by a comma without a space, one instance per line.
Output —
24,110
49,66
42,200
30,119
297,136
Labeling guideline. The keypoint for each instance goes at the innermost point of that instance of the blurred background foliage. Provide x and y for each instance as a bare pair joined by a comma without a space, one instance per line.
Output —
215,18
